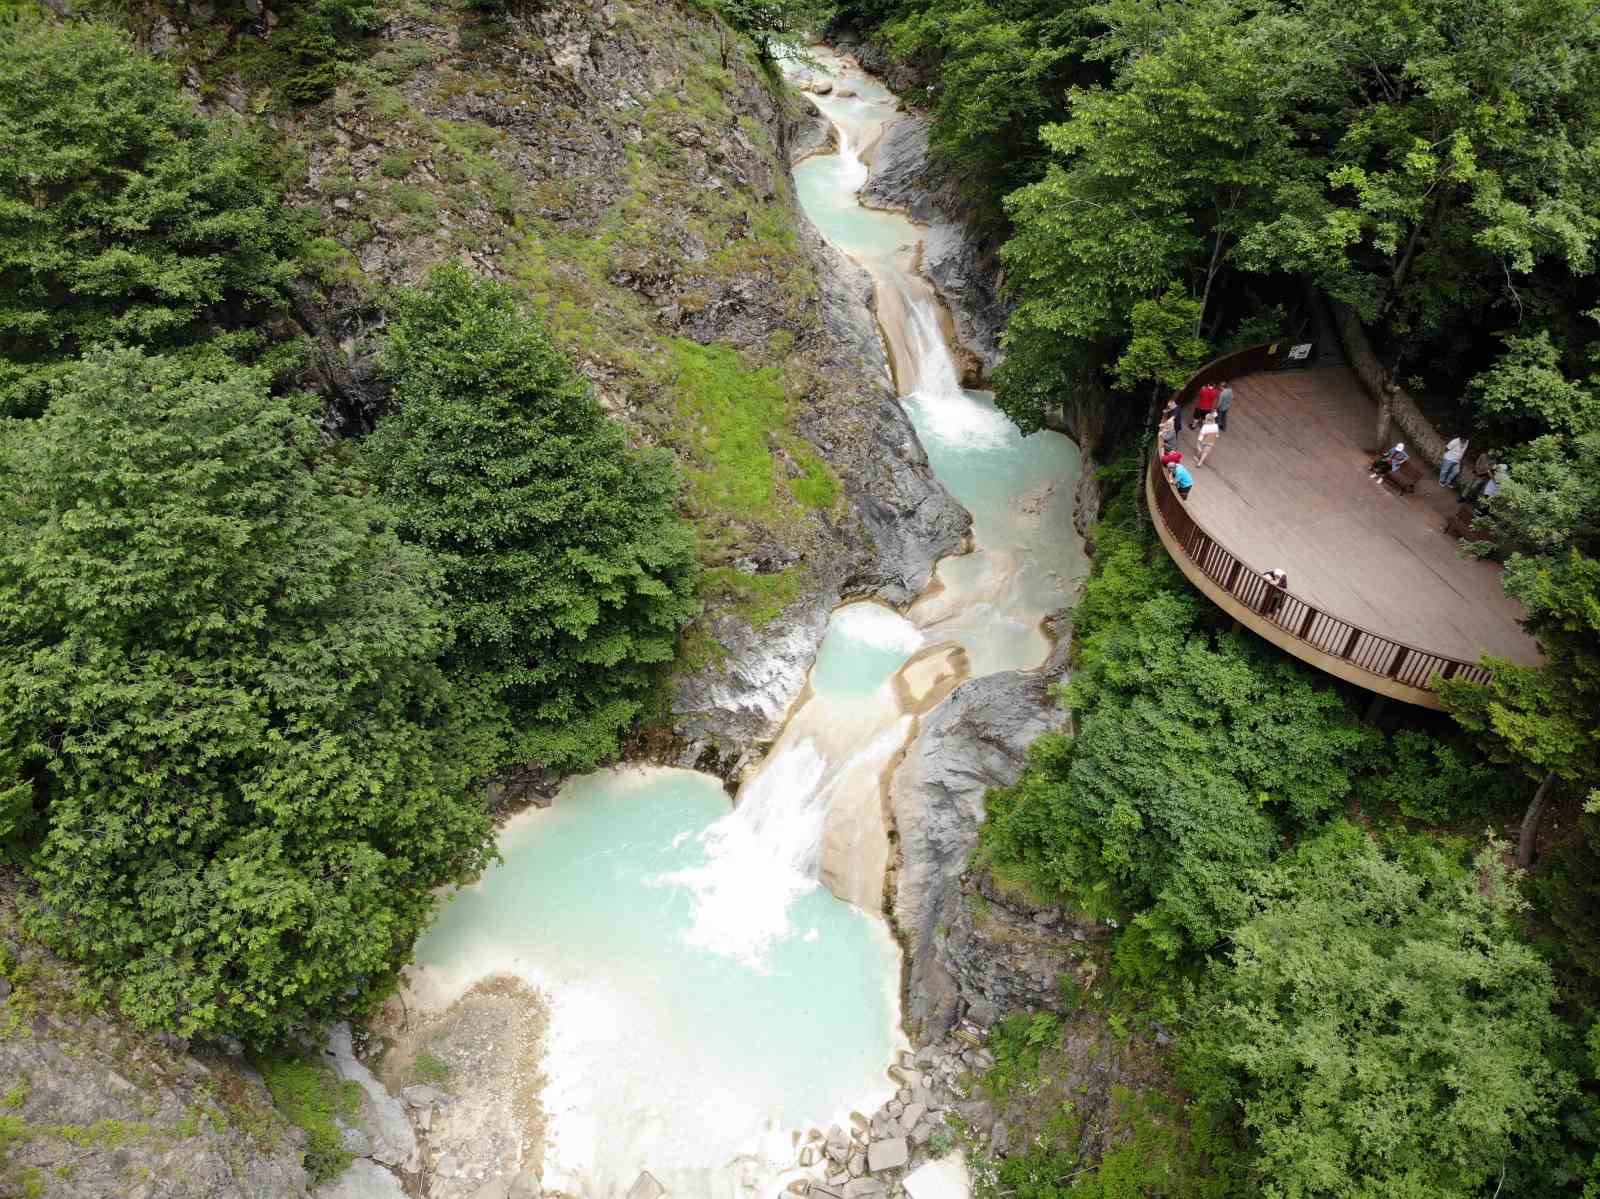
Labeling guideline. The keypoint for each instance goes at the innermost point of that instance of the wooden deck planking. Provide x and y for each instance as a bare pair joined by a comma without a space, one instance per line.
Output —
1287,486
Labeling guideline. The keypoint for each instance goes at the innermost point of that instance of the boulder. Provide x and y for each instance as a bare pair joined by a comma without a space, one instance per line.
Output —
646,1187
497,1188
889,1154
365,1179
526,1185
422,1095
865,1188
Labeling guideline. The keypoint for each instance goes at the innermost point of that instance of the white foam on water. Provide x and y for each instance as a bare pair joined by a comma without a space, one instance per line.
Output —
763,856
760,858
877,626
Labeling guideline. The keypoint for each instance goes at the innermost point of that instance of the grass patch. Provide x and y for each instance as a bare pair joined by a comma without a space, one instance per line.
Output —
312,1096
430,1068
728,414
757,599
816,486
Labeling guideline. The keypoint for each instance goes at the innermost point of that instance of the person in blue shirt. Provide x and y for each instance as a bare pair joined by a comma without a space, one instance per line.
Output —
1180,475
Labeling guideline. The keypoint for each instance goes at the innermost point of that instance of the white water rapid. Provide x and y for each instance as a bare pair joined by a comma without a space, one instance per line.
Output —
711,996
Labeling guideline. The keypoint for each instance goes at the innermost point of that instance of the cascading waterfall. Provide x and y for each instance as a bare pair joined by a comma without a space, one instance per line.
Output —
708,994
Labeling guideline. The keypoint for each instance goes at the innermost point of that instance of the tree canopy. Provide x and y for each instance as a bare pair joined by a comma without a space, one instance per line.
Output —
126,215
219,670
1381,1024
567,571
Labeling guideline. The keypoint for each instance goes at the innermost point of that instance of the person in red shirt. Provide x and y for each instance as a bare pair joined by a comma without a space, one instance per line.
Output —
1171,458
1205,401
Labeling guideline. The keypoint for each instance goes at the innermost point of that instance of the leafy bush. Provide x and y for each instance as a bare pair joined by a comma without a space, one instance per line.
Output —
125,214
312,1097
1017,1043
1384,1030
568,572
219,664
1437,782
318,36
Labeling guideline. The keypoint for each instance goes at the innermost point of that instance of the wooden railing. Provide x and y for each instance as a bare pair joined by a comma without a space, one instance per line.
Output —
1304,621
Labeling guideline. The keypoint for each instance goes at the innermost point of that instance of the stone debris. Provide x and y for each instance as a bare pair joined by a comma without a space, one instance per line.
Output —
365,1179
887,1155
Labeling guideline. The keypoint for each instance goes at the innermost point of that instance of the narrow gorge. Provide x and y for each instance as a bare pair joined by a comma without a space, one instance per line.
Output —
720,982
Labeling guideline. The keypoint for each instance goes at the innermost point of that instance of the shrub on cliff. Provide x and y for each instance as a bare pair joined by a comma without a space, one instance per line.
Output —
217,668
567,570
125,214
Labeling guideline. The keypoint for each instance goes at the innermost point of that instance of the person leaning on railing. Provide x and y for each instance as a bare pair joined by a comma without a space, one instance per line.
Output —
1181,478
1277,589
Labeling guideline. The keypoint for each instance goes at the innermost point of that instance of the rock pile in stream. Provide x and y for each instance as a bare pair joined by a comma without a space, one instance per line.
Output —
932,1113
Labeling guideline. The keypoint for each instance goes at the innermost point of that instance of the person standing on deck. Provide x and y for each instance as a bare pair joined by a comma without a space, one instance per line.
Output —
1169,435
1208,437
1173,413
1450,464
1181,477
1205,402
1224,402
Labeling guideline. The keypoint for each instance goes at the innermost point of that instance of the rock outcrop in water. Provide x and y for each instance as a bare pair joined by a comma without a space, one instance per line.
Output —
972,950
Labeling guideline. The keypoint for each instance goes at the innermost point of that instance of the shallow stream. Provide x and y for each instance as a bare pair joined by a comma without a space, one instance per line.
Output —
710,996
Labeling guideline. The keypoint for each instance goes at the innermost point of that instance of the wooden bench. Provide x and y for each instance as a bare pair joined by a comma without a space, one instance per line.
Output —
1405,477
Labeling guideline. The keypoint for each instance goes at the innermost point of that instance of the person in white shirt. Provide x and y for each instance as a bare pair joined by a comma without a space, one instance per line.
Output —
1208,437
1450,464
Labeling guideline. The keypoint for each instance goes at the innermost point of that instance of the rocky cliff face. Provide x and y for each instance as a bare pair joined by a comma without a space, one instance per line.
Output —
90,1109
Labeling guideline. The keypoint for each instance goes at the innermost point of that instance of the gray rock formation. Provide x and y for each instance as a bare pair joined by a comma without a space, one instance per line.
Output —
365,1179
394,1143
964,271
94,1109
977,739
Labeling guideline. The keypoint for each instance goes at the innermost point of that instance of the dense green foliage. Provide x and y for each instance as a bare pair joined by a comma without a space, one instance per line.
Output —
1349,988
567,571
220,671
1195,752
1385,1028
125,215
1432,166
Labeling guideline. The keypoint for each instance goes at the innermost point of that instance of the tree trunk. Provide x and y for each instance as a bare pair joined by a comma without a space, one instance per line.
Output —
1530,822
1385,417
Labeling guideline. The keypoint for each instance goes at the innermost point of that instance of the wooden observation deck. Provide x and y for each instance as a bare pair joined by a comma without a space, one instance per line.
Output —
1378,595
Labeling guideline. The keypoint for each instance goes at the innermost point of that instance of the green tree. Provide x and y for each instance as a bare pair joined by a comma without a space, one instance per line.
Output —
1526,392
220,663
568,572
778,27
1154,182
125,214
1457,143
1381,1025
1004,69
